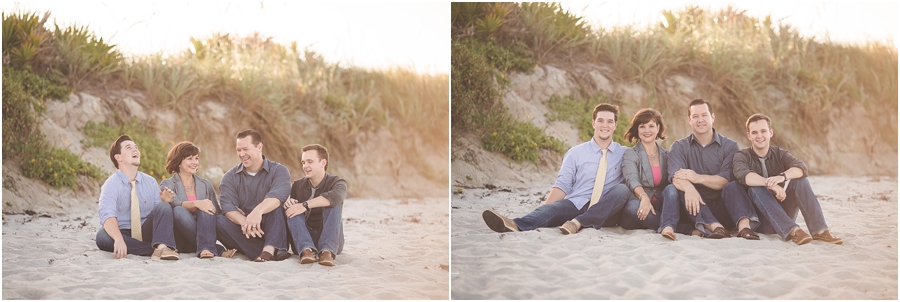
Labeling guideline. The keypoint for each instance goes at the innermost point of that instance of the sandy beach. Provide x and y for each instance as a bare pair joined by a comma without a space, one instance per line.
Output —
613,263
395,249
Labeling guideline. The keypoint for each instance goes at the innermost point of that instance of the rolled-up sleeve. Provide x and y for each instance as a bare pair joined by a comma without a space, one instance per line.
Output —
676,158
211,195
281,184
630,169
107,202
741,167
728,149
788,160
337,193
566,178
228,199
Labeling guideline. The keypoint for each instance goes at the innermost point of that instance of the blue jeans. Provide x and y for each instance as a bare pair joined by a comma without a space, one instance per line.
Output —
156,229
604,213
780,216
666,215
715,210
329,238
196,232
272,224
739,206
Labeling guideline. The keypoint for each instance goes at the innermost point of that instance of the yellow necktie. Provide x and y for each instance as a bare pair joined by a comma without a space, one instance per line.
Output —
135,213
599,180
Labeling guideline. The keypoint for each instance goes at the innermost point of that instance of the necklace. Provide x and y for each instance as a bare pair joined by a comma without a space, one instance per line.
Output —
652,156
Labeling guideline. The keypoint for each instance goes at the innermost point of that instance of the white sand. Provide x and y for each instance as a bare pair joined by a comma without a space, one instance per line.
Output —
613,263
395,249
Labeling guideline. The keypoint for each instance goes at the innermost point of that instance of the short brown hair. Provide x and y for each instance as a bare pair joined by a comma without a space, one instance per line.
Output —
756,117
699,102
320,150
644,116
255,137
178,153
116,148
606,107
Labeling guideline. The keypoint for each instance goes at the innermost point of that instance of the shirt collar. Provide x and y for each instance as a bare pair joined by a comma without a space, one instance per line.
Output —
265,166
717,138
124,178
613,147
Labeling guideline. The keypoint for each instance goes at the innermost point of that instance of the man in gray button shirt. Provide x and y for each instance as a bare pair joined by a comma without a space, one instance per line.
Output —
763,172
699,169
251,197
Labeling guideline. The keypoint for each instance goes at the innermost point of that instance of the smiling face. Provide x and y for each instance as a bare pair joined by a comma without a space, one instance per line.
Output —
313,167
701,119
759,134
190,164
250,155
648,132
129,155
604,124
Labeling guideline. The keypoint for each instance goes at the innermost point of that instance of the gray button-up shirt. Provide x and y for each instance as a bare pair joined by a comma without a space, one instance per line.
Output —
713,159
777,160
579,171
240,190
115,198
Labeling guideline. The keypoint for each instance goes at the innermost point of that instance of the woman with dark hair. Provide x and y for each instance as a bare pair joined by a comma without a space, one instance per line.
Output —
644,169
195,204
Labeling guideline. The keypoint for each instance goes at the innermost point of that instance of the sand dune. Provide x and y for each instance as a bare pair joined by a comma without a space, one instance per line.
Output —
613,263
395,249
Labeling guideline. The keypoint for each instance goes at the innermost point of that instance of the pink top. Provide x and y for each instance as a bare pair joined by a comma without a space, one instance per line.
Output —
193,198
657,175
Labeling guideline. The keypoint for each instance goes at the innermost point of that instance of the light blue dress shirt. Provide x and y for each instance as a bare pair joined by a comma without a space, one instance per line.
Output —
579,170
115,198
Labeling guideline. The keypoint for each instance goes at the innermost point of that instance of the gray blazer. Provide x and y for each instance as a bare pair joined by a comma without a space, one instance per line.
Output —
638,173
203,188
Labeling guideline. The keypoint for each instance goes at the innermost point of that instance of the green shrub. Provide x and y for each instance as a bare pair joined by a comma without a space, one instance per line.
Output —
84,56
57,167
24,94
578,113
23,37
520,141
153,151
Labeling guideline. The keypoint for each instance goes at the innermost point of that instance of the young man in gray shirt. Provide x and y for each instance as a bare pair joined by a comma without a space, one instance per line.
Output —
763,171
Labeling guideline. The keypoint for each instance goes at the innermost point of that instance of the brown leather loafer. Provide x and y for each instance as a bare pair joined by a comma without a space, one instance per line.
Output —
326,258
499,223
800,237
307,256
570,227
168,254
826,236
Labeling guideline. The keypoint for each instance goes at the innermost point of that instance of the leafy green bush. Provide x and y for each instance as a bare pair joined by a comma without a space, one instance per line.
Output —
578,113
57,167
520,141
83,55
153,151
23,37
24,94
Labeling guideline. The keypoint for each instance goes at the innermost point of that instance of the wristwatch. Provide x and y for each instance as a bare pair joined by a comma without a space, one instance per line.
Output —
306,205
782,175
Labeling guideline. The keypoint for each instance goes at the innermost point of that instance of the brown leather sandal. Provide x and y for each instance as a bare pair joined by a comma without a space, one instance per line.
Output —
264,257
748,234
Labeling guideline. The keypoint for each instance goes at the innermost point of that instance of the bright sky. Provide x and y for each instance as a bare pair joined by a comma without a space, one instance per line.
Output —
844,22
370,35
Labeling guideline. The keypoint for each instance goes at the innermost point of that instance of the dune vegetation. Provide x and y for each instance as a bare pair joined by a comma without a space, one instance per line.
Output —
750,65
265,84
